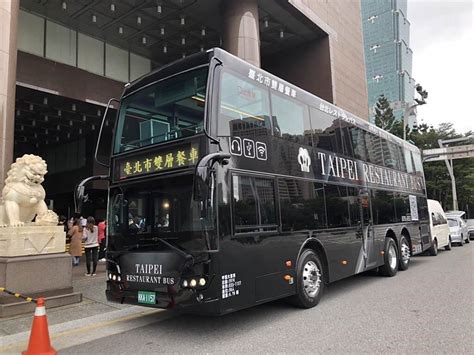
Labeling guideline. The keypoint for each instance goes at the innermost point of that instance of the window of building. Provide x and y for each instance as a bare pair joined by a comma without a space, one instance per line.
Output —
326,131
243,108
302,205
290,120
60,43
254,204
90,54
337,206
116,63
30,33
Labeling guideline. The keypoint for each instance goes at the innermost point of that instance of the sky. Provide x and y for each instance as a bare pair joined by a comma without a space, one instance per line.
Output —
441,37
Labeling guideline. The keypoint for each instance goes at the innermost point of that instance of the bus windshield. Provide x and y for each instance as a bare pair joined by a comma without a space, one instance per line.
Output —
160,209
165,111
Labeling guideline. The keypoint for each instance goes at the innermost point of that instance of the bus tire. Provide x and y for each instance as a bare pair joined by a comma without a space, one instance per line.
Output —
405,254
310,280
433,250
390,259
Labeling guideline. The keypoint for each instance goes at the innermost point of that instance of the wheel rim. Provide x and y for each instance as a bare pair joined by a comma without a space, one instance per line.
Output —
311,278
405,252
392,256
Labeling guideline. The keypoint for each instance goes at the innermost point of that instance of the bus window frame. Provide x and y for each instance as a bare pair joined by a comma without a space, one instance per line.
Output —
277,226
217,113
205,118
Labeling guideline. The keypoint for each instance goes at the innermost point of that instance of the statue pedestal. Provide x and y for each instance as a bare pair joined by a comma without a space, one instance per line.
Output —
32,240
34,264
48,276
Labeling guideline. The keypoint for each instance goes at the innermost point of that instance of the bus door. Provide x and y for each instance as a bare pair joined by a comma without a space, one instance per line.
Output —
366,232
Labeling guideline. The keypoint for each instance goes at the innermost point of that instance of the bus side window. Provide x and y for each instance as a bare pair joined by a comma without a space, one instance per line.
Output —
402,207
383,207
244,107
358,142
347,146
390,154
302,205
326,131
290,120
337,206
408,161
374,149
418,163
254,204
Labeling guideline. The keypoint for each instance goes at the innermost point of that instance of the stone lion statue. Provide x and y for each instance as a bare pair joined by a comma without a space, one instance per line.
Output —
23,196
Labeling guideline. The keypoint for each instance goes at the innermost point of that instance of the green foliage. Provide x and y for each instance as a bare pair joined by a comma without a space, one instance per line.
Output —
438,181
385,119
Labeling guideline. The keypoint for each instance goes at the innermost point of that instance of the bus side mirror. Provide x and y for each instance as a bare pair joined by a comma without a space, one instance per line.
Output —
79,195
202,174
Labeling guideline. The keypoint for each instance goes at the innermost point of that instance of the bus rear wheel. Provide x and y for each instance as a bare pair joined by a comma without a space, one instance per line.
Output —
390,258
310,280
405,253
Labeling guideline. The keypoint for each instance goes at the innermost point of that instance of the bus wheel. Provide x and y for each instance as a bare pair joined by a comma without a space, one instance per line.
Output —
433,250
310,284
390,258
405,254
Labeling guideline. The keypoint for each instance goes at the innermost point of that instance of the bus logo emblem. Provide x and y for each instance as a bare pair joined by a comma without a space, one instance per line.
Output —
304,159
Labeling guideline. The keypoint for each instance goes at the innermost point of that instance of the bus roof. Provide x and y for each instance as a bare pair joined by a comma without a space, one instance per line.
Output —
202,58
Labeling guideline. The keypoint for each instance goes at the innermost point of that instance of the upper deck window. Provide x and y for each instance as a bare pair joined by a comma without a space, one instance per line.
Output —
290,120
326,131
243,107
167,110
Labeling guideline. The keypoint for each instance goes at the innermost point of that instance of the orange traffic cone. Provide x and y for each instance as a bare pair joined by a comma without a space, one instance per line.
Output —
39,337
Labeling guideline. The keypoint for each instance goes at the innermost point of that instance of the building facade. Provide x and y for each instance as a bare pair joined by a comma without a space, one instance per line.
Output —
61,61
388,55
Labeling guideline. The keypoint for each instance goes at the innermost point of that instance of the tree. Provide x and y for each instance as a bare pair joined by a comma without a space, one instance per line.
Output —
385,119
438,182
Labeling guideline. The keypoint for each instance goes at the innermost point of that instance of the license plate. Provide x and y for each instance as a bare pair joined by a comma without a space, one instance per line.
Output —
146,297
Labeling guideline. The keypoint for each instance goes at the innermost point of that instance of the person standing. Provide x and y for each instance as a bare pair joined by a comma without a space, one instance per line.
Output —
91,245
75,246
102,228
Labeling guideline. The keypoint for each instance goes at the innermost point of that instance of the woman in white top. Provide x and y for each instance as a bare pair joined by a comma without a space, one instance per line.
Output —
91,245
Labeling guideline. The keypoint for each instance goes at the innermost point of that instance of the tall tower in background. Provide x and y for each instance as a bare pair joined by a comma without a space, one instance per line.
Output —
388,56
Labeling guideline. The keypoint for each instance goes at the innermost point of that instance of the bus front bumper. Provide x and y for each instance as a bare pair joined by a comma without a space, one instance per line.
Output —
183,300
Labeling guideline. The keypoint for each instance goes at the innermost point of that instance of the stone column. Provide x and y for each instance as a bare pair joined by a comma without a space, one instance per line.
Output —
241,29
8,51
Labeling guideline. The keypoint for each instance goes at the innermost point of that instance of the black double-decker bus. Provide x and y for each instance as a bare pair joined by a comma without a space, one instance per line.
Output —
230,187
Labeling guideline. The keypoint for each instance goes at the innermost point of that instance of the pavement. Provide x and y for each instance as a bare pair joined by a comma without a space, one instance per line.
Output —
412,312
93,312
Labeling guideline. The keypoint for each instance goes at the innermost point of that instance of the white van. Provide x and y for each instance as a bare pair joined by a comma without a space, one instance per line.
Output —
440,236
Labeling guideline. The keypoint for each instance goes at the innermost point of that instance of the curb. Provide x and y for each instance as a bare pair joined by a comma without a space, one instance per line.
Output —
109,323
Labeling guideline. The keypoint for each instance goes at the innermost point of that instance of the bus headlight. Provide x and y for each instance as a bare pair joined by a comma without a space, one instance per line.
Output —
193,283
202,281
119,278
185,283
